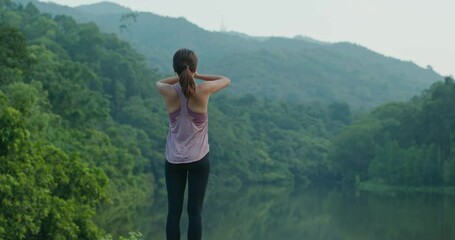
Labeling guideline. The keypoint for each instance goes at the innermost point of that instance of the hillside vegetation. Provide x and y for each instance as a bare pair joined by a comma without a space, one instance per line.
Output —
403,143
82,127
300,69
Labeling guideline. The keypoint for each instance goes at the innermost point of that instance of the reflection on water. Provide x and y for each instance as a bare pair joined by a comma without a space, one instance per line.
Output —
265,212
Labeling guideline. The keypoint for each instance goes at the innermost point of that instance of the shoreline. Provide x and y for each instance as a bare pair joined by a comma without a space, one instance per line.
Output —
375,187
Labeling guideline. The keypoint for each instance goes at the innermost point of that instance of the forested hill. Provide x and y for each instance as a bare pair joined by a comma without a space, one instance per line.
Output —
81,126
402,144
299,69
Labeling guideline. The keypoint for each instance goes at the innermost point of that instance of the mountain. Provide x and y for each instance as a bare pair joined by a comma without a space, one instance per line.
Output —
103,8
292,69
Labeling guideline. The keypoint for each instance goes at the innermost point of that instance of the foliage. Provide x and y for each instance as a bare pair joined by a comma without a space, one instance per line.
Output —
82,127
403,144
45,193
86,111
133,236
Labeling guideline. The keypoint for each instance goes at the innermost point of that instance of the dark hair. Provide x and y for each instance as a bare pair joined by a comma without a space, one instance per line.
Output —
185,63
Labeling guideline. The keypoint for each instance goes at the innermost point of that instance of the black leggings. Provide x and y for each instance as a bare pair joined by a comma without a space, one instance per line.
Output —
176,175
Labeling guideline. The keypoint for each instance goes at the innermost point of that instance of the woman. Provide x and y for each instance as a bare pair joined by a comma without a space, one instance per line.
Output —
187,148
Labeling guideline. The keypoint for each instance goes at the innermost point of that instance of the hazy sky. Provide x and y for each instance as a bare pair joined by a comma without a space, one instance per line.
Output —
422,31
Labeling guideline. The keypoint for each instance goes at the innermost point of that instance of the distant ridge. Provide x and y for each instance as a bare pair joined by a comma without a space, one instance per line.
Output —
80,12
308,39
299,69
53,8
103,8
246,36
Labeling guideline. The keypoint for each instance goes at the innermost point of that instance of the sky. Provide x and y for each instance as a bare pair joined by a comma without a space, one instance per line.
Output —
421,31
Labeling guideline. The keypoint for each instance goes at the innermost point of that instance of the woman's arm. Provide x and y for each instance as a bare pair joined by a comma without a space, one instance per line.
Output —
206,77
213,83
164,86
169,80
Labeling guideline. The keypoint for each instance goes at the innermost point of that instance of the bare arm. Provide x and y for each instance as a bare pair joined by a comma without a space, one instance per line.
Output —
169,80
213,83
206,77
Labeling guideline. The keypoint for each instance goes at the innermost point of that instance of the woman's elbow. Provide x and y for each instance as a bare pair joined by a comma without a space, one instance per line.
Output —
228,82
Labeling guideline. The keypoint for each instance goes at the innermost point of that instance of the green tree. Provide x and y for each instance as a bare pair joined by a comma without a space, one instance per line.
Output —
13,55
45,193
439,121
354,148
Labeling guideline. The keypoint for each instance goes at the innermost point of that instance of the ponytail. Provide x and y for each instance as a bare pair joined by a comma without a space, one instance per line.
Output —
185,64
187,82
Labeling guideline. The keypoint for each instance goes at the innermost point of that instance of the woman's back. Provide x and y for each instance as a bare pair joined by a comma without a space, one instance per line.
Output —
187,139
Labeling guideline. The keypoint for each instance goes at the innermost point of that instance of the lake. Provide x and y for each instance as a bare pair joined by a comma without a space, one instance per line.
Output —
325,213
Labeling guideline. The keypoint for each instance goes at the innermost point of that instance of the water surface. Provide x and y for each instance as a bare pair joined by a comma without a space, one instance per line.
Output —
271,213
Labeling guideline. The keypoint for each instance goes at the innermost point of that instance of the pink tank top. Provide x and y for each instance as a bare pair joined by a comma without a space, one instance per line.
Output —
187,139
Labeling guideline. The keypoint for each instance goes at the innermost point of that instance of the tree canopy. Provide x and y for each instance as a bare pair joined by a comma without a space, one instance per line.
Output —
403,144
